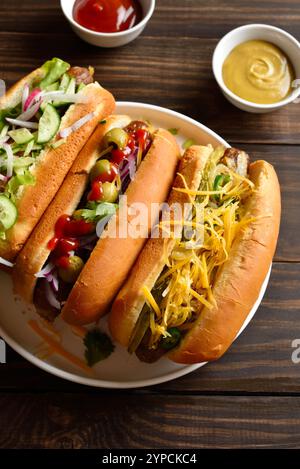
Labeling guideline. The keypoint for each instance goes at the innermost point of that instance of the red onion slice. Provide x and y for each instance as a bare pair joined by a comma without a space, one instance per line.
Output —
53,280
61,96
4,139
132,168
33,97
20,123
51,298
5,262
45,271
69,130
10,159
25,96
31,111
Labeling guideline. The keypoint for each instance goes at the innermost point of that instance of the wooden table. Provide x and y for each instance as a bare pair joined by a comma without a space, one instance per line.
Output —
251,397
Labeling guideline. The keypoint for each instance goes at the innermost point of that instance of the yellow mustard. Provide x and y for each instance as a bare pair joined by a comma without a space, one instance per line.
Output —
259,72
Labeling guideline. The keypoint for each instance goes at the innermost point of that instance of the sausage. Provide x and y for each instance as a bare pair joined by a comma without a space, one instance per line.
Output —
236,160
82,75
147,355
45,310
40,299
136,125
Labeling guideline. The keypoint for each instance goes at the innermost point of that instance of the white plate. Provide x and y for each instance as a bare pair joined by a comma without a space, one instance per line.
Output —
120,370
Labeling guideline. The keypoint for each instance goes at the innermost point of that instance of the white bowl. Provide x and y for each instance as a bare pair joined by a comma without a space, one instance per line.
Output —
108,39
287,43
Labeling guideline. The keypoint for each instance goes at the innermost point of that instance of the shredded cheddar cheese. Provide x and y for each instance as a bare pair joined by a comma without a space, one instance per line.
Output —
192,266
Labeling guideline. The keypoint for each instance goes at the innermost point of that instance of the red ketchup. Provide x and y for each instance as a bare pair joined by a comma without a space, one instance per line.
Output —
140,138
67,231
107,16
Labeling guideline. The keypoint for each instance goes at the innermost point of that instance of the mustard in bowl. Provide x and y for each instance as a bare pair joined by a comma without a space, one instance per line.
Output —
271,79
258,71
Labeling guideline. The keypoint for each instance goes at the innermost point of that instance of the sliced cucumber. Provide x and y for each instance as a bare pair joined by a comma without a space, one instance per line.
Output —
64,82
16,148
69,90
43,106
36,146
8,213
53,87
80,87
23,162
4,131
48,125
71,86
21,136
29,148
58,143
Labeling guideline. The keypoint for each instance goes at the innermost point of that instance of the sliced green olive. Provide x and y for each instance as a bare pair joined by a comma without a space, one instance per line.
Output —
110,192
71,273
117,137
101,167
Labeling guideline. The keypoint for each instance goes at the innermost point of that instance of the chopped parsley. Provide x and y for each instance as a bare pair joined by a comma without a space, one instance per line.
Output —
173,131
188,143
98,346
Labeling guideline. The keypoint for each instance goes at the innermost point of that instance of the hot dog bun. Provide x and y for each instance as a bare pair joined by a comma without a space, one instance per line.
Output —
130,301
236,287
53,164
112,258
35,253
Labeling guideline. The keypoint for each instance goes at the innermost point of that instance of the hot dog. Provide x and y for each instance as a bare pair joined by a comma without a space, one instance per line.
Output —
187,298
64,267
45,119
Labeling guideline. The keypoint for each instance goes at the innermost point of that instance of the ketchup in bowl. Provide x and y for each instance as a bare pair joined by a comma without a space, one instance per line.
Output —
107,16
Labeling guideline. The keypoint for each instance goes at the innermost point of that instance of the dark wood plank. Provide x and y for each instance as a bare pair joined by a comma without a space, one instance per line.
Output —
258,362
169,65
137,420
285,159
192,18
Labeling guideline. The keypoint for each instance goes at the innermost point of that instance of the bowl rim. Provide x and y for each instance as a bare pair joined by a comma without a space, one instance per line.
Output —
258,26
135,28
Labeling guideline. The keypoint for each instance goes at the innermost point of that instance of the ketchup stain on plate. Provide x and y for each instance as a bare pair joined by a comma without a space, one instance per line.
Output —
107,16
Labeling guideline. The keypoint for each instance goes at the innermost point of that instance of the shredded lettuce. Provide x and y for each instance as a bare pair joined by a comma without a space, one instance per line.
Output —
23,162
11,112
96,212
25,179
54,70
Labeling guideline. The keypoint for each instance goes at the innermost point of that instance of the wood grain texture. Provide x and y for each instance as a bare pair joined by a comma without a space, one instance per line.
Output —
249,397
137,420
